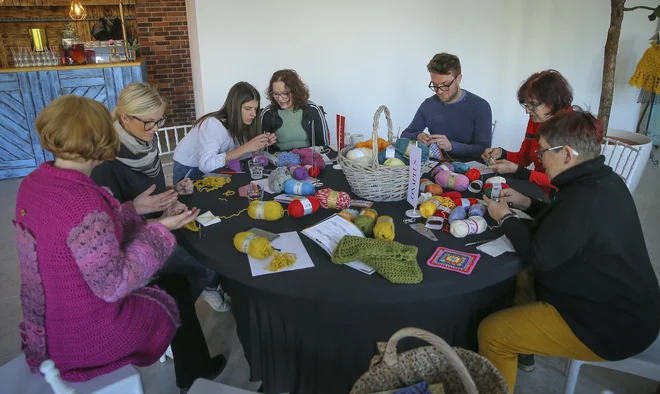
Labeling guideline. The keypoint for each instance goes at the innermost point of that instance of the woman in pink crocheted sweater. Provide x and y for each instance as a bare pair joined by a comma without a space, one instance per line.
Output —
86,261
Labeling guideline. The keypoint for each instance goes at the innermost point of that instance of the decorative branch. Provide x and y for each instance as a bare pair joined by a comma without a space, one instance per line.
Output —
642,7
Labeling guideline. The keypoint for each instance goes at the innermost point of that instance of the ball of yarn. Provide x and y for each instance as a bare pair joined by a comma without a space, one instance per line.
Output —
313,171
444,166
391,153
349,214
457,213
394,162
285,158
384,228
267,210
477,210
461,168
465,202
429,208
277,178
309,157
303,206
362,155
234,165
424,197
402,145
333,199
299,188
428,186
298,172
382,144
248,243
452,180
366,220
260,159
471,225
452,194
473,174
496,179
493,190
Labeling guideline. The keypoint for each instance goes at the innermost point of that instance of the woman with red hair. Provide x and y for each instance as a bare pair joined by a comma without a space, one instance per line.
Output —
542,95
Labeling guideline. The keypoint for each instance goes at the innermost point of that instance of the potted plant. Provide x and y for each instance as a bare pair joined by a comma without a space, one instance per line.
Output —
132,46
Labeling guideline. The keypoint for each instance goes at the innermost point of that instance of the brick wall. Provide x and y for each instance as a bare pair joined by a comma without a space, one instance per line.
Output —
163,36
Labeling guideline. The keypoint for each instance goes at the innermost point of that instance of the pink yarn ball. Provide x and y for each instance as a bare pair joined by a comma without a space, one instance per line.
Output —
452,180
310,157
444,166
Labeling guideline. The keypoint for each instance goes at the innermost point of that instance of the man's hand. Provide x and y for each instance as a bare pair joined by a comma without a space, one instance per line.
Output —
424,138
442,141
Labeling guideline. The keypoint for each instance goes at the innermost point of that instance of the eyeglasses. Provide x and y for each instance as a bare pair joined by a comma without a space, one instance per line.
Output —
540,152
284,95
530,107
443,88
150,124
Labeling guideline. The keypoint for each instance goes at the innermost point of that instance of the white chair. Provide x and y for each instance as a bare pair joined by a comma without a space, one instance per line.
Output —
621,157
16,378
645,364
168,138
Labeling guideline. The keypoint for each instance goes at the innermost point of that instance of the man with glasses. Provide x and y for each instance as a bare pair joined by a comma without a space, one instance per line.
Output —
459,122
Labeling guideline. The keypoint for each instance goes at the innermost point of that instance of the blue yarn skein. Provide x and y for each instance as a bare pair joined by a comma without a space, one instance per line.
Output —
458,213
477,210
285,158
299,188
461,168
382,156
402,144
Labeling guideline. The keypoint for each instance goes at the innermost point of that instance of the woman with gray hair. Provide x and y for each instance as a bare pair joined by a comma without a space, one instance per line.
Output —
597,297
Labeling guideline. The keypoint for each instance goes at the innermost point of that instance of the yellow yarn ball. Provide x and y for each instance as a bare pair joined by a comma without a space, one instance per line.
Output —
429,207
268,210
384,228
393,162
362,155
257,247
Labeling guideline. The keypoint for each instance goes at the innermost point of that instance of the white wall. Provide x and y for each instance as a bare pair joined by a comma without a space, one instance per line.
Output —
356,55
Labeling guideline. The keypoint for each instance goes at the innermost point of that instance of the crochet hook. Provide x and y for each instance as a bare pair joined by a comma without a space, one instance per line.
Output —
483,241
232,172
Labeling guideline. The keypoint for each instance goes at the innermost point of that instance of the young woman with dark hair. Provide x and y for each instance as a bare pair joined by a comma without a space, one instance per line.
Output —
230,133
542,95
290,113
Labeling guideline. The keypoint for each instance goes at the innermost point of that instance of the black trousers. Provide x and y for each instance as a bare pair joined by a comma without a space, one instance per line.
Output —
191,355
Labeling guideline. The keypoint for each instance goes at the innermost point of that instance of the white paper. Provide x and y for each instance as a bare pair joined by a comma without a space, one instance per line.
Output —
479,166
287,242
207,218
497,247
326,159
264,183
287,198
330,231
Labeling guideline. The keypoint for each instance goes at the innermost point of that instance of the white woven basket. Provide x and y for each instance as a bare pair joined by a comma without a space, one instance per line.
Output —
372,181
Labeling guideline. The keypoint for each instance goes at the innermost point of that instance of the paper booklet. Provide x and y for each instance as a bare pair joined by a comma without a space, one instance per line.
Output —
327,234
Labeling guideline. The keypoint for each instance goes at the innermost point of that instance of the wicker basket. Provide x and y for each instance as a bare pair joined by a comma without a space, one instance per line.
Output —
460,371
373,181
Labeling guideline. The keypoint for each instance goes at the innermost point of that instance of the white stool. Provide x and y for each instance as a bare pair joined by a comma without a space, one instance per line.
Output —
17,378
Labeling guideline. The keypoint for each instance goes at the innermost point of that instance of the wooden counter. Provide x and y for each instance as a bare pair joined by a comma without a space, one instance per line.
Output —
25,91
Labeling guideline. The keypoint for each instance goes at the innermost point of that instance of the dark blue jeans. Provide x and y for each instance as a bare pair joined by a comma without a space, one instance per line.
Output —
179,172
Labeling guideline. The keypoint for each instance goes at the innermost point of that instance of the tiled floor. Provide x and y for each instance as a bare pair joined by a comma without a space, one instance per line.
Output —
220,328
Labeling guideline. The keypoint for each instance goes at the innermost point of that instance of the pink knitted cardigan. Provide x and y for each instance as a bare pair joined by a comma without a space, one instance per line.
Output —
84,262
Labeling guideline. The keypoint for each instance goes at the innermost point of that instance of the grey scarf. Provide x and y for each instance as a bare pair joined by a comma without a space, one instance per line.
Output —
138,155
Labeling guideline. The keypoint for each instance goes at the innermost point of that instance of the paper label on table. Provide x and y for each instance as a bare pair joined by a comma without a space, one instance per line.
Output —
497,247
297,188
480,167
288,243
415,173
330,231
259,210
207,218
245,246
326,159
307,206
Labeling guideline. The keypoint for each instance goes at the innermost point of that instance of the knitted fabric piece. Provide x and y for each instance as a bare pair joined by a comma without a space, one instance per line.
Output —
647,72
396,262
434,151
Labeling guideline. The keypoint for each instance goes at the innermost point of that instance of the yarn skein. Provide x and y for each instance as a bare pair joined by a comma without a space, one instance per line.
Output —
313,170
394,162
473,174
465,202
333,199
309,157
457,213
391,153
461,168
452,194
303,206
444,166
285,158
428,208
298,172
384,228
428,186
260,159
361,155
299,188
402,145
477,210
277,178
234,165
452,180
266,210
496,179
366,221
493,190
471,225
248,243
349,214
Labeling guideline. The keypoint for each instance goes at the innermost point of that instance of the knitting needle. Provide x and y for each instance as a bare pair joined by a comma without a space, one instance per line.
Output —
279,250
232,172
187,173
480,242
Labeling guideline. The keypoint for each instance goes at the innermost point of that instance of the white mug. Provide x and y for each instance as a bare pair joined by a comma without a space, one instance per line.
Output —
355,138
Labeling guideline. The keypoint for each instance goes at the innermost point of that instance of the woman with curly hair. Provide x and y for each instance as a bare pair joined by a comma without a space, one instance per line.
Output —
290,113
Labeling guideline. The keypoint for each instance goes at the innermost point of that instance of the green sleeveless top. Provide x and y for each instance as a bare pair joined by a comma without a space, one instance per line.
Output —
291,135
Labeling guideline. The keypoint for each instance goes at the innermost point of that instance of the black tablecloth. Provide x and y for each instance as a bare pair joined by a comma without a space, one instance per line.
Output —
314,330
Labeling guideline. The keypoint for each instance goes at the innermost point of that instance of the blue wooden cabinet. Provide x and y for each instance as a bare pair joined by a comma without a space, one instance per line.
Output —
25,92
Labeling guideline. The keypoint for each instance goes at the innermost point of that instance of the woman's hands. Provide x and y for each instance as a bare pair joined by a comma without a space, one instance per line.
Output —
508,198
184,187
177,221
492,153
145,203
504,167
258,143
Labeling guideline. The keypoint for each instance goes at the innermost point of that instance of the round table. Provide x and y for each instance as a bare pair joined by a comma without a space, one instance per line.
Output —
315,330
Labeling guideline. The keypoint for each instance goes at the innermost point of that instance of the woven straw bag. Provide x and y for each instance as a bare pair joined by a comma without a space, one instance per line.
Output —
460,371
375,182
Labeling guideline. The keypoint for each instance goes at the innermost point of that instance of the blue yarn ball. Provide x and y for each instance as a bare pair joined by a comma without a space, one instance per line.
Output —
382,156
458,213
285,158
477,210
299,188
401,145
461,168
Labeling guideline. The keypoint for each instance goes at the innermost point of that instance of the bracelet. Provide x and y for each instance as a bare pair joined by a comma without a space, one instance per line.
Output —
505,217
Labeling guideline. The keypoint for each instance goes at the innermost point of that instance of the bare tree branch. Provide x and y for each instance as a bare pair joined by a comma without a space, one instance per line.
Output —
643,7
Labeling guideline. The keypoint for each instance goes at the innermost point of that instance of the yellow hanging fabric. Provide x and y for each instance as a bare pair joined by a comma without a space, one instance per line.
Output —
647,72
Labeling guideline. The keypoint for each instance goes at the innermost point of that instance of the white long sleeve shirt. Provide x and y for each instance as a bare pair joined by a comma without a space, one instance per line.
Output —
205,146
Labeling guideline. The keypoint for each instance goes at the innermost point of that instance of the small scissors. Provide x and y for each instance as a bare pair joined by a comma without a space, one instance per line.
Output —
408,221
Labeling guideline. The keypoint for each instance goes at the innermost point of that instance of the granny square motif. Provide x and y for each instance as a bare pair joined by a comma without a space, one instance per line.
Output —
454,260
